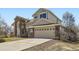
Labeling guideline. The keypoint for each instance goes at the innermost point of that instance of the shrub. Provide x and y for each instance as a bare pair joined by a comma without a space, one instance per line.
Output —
2,40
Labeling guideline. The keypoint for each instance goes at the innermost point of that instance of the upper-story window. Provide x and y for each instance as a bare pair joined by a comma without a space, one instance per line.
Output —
35,17
43,15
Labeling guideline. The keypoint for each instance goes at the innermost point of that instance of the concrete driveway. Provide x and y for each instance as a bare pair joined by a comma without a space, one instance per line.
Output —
21,44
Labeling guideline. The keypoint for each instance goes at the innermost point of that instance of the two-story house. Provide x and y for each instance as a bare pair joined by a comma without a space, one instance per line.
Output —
44,24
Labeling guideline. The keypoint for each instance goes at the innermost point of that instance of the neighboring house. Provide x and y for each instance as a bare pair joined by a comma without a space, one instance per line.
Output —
44,24
20,27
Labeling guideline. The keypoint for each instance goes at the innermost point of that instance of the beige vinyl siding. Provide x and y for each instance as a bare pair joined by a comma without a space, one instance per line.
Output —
51,17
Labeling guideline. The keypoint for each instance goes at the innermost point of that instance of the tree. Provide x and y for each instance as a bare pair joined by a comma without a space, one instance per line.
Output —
69,23
68,20
4,28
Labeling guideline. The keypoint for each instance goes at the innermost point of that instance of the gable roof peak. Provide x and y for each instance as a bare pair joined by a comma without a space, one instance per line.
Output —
39,10
20,18
47,11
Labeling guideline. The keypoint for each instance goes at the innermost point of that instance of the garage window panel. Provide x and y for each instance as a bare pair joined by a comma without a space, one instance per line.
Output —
40,29
47,29
53,28
50,29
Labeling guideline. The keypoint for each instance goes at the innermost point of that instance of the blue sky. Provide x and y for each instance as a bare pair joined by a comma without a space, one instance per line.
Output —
8,14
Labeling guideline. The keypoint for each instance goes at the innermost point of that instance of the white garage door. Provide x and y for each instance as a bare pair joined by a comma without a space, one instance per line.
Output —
44,32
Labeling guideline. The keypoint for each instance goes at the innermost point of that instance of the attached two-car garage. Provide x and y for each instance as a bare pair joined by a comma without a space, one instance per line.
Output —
44,31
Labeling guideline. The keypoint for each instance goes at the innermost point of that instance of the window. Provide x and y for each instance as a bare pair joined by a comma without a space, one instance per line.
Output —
42,29
39,29
50,29
47,28
43,15
35,17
